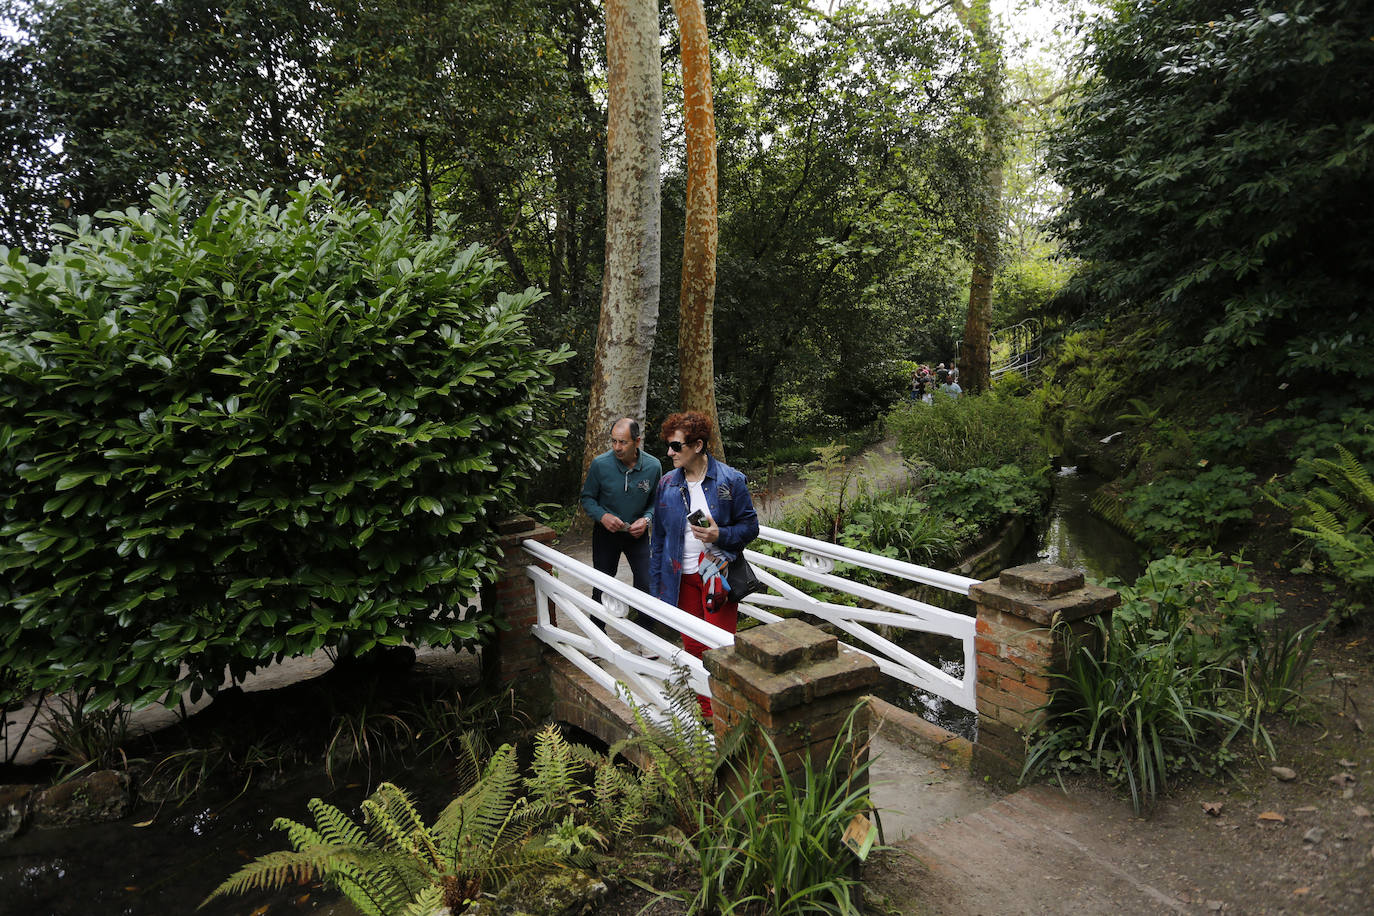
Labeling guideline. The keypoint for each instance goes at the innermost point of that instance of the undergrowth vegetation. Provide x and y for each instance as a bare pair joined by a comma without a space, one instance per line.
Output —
960,434
1193,659
753,838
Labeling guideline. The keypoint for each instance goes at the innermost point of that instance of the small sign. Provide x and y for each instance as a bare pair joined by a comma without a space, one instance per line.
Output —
859,836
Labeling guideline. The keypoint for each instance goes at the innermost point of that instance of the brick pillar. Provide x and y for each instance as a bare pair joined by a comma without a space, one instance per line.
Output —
514,657
1017,648
796,684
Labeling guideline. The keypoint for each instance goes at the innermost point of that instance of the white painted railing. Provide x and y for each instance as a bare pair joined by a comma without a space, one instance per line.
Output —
643,662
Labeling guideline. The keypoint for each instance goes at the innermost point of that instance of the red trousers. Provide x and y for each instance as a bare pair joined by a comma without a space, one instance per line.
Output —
691,597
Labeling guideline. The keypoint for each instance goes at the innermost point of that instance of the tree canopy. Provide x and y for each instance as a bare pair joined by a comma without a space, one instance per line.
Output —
849,160
1218,168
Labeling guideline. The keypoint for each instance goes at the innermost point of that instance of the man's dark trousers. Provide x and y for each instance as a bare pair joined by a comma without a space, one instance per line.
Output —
607,548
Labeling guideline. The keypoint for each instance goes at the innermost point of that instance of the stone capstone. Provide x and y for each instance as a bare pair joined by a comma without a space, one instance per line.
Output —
785,645
100,796
1044,595
774,692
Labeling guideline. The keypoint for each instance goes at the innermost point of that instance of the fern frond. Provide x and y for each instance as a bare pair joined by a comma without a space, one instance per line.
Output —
472,750
1356,477
335,827
276,870
482,809
298,834
395,823
428,902
555,772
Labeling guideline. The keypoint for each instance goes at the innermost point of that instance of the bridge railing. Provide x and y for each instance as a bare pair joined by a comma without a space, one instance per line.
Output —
643,662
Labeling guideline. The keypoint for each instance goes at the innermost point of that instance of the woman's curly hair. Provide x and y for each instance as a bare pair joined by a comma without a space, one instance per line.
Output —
694,423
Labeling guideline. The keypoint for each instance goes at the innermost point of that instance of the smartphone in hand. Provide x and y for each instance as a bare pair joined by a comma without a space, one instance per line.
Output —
700,519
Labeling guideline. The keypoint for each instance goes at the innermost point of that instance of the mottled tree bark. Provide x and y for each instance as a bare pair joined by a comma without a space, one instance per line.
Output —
630,285
975,358
696,303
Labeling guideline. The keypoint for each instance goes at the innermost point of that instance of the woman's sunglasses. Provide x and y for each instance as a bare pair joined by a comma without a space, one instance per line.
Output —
676,446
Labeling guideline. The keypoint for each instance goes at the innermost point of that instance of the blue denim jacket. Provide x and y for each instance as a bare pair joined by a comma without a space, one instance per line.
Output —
729,502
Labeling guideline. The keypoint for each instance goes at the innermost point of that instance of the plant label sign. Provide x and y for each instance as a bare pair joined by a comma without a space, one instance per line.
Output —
859,836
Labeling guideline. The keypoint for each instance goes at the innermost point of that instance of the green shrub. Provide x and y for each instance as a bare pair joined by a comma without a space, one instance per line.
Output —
250,433
901,527
982,497
1187,662
1180,512
956,434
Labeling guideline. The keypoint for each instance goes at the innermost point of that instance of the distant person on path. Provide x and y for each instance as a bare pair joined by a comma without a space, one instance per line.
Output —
619,498
687,562
951,387
941,375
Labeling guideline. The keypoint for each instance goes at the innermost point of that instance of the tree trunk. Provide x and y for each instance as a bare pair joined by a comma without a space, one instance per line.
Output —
696,303
975,362
426,191
975,356
629,288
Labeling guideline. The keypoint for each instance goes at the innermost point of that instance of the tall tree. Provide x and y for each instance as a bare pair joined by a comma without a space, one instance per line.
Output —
630,284
696,302
29,194
974,353
848,151
218,93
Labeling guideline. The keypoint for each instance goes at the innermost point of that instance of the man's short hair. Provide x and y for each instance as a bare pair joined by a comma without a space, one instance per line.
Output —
634,427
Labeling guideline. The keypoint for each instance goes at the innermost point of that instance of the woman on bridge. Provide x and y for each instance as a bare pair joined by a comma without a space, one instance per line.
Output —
703,518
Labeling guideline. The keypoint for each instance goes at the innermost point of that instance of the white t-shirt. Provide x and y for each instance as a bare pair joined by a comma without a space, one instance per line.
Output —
691,546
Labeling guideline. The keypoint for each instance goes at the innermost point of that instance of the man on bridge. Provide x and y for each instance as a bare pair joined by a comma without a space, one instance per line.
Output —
619,499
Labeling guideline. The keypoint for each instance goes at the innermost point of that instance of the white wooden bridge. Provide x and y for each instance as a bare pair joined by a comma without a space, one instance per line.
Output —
871,620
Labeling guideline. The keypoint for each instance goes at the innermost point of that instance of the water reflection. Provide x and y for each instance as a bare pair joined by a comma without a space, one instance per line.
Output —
1072,535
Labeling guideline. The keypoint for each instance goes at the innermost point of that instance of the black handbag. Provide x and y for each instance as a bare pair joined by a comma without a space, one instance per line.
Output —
742,579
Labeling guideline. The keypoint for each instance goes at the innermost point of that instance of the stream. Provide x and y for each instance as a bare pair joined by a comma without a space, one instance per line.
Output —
165,858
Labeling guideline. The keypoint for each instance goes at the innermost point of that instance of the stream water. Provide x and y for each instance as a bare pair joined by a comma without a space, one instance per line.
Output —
166,858
167,866
1071,534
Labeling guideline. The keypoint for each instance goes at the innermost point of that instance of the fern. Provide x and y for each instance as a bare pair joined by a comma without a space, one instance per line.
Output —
429,902
557,772
399,865
491,833
684,757
1338,519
